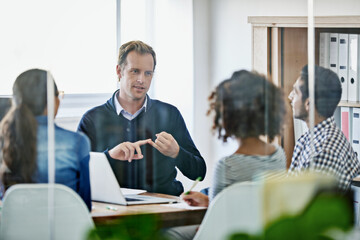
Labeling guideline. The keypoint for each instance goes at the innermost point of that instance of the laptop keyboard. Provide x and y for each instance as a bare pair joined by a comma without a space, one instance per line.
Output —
133,199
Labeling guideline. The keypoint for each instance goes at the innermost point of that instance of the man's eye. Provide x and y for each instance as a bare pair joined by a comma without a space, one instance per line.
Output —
135,71
148,73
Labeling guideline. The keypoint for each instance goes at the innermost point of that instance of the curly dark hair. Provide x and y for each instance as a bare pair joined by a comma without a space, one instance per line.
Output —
247,105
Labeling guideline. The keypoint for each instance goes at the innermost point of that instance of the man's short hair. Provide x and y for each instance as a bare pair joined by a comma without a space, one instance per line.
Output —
137,46
327,89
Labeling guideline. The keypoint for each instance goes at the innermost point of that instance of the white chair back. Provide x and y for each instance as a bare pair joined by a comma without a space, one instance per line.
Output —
25,213
238,208
248,206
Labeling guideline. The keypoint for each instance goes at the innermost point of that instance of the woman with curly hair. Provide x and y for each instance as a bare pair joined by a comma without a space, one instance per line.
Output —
245,107
23,140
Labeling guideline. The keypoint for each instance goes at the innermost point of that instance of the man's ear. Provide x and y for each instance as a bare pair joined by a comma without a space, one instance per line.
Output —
307,105
118,71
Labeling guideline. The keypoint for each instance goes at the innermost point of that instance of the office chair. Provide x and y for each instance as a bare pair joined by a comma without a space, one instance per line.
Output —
236,208
25,212
248,206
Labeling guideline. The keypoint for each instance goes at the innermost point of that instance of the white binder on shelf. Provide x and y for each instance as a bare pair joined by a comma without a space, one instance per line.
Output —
346,121
354,68
334,52
356,131
343,65
324,50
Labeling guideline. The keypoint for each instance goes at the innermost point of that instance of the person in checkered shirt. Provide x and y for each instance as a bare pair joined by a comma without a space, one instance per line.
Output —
332,153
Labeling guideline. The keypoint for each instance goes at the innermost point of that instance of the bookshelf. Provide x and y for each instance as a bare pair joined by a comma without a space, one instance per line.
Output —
279,50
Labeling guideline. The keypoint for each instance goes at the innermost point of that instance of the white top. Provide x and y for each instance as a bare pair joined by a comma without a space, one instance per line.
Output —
240,168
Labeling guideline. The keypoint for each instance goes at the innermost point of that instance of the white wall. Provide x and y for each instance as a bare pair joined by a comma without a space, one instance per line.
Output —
202,59
222,44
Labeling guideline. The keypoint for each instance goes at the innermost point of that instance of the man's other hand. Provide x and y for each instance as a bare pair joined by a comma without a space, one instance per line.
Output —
166,144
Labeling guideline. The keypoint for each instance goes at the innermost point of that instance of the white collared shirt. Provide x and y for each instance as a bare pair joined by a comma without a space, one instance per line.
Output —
127,115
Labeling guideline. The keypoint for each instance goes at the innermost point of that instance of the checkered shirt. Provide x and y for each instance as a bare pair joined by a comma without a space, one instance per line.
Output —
333,154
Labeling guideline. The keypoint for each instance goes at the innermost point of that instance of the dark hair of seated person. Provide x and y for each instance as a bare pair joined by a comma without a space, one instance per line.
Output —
18,128
247,105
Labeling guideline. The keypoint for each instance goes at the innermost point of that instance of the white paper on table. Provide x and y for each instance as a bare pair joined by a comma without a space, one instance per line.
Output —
130,191
183,205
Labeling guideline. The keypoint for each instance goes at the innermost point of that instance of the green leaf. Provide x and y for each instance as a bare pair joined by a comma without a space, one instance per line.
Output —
329,209
138,227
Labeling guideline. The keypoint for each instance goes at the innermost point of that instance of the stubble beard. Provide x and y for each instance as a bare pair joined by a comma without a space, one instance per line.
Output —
302,115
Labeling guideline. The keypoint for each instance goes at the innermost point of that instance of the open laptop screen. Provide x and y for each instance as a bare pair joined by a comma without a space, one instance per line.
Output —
105,187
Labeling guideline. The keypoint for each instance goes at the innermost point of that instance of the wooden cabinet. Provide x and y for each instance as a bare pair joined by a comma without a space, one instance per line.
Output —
279,50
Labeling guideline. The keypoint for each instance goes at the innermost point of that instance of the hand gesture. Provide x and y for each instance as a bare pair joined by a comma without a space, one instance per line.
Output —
166,144
126,151
196,199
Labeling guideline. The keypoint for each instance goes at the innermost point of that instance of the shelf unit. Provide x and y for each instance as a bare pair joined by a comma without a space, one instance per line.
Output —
279,50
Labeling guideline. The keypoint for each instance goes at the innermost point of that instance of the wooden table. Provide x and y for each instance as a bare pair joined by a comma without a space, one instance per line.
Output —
167,215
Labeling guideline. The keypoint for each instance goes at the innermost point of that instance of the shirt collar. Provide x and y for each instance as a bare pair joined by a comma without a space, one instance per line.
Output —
119,108
319,132
324,124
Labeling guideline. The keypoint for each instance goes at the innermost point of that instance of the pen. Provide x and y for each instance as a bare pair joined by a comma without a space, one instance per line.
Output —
194,184
111,208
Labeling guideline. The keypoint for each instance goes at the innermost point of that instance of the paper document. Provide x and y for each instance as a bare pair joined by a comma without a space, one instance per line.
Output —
183,205
130,191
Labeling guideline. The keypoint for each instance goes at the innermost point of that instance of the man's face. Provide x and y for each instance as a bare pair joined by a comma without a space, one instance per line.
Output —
298,106
135,77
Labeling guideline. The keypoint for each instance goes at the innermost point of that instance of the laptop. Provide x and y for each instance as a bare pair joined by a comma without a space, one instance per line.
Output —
105,187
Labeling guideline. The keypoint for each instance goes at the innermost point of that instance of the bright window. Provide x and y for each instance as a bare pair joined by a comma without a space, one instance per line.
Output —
166,25
74,39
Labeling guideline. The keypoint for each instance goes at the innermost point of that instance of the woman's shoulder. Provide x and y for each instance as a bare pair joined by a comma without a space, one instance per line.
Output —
68,133
77,139
279,152
231,160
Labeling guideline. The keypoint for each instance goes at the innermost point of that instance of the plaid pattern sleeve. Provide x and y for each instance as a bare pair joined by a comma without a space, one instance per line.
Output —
332,155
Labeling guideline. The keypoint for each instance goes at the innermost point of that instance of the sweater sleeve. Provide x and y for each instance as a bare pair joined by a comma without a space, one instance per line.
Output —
189,160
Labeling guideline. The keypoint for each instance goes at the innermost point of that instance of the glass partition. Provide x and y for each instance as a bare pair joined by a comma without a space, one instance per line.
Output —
221,106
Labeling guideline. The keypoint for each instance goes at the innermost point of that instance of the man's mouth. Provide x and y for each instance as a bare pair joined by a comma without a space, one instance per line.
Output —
139,87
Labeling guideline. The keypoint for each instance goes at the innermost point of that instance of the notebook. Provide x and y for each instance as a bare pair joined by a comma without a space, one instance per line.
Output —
105,187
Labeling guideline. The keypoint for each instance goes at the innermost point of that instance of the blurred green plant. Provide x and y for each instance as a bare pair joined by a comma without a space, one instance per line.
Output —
136,227
328,210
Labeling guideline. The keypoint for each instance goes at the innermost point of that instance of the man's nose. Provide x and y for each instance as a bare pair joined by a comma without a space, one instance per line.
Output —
291,95
141,78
